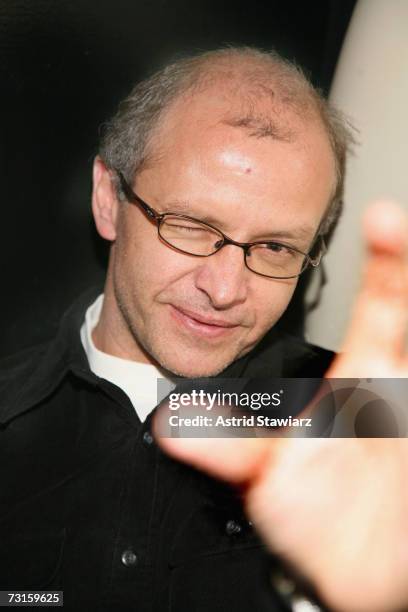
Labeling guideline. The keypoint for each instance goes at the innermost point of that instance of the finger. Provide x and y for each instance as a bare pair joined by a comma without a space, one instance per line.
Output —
378,328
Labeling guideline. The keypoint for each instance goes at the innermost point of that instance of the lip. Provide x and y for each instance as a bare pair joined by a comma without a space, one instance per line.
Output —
205,326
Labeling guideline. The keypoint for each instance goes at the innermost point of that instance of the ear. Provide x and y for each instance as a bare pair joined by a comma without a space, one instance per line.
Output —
104,201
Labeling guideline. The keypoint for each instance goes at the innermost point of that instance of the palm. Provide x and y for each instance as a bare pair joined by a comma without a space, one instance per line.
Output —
337,508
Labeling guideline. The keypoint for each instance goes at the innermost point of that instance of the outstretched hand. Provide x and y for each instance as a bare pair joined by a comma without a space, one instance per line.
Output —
337,509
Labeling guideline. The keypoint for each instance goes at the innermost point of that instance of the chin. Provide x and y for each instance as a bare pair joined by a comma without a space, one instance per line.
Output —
199,372
193,370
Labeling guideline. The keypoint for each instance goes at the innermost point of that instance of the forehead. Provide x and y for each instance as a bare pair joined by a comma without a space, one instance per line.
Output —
205,156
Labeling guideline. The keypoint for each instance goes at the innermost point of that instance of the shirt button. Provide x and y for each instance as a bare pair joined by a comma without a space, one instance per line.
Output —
147,438
232,527
129,559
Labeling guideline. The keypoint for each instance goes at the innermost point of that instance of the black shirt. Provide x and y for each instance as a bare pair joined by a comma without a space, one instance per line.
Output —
89,504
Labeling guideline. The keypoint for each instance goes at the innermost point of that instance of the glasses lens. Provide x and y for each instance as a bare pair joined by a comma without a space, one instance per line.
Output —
189,236
275,260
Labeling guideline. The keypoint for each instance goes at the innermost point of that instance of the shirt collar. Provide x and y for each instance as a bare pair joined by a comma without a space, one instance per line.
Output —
65,354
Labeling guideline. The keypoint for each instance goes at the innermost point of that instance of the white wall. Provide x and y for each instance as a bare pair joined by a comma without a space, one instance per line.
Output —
371,86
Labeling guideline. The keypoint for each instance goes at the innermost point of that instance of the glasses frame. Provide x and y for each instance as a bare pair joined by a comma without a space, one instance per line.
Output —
157,217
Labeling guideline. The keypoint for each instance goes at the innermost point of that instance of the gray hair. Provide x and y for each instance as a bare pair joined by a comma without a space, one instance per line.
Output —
126,142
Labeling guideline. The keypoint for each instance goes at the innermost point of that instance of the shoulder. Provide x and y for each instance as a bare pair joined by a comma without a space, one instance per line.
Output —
303,359
16,370
281,354
19,364
33,374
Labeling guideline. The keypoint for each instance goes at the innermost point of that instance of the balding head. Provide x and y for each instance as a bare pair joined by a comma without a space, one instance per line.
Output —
260,92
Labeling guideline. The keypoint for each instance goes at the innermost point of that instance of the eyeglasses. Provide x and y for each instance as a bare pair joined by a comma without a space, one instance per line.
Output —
193,237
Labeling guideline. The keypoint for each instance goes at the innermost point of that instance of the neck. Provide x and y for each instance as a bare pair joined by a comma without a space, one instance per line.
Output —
112,334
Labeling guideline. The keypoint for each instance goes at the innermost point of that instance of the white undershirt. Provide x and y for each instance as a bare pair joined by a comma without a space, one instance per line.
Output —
137,380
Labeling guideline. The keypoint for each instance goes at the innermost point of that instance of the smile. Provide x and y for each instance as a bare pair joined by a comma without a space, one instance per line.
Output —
198,324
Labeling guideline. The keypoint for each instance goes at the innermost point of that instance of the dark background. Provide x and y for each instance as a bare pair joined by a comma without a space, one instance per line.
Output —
64,65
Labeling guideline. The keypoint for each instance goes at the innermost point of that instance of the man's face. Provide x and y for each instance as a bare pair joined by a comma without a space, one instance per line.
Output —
194,316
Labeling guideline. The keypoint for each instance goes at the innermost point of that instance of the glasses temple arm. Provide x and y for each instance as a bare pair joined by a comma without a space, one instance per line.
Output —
134,199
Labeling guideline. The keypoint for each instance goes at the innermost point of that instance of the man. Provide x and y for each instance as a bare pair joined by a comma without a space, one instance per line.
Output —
216,183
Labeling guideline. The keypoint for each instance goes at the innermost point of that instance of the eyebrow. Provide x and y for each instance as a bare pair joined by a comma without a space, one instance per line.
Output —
300,233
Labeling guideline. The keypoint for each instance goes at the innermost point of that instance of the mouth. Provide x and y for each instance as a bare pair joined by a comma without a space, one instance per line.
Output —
206,327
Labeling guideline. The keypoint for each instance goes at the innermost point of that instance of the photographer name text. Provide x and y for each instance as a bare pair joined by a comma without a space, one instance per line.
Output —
235,421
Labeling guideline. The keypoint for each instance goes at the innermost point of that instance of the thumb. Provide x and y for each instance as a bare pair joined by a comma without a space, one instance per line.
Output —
237,460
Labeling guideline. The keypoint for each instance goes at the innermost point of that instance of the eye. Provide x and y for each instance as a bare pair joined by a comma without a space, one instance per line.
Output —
187,228
275,247
279,249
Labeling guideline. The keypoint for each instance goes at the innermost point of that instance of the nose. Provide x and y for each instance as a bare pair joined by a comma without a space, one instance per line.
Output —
224,277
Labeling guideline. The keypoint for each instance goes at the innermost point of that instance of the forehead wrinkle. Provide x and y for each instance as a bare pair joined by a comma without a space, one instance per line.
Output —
261,127
260,113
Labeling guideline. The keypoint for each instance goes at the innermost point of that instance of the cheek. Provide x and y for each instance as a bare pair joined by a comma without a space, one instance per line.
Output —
272,302
144,262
